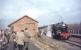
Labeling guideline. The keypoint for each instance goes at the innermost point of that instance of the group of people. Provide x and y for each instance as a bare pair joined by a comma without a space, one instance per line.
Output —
19,40
3,40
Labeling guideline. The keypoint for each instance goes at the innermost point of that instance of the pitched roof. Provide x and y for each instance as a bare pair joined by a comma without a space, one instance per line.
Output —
22,18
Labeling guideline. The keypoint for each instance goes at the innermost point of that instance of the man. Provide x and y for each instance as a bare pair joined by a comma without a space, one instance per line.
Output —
12,40
20,39
27,39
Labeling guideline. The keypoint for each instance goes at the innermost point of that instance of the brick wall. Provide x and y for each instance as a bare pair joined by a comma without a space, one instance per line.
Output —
26,23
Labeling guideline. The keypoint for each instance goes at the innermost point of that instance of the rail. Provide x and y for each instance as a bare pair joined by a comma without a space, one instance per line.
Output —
76,35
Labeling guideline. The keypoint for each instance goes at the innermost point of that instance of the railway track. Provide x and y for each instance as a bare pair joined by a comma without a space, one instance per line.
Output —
72,43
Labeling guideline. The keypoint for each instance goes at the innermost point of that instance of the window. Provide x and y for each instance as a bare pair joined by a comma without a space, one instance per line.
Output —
26,28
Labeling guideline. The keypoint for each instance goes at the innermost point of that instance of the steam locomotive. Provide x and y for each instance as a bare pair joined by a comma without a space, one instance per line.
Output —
60,31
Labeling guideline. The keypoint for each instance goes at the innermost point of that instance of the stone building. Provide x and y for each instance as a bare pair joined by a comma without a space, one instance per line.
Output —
46,30
25,22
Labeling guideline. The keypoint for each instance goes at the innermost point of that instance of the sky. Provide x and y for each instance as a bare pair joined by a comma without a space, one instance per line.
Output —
44,11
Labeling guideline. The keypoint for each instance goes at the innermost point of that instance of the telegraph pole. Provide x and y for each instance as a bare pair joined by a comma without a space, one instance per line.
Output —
60,16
